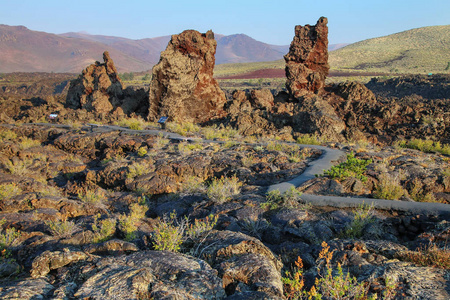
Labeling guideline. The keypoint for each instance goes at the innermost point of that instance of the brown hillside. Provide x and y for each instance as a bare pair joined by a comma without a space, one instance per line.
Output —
32,51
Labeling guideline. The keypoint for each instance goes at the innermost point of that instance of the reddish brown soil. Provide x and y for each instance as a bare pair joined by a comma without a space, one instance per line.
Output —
280,73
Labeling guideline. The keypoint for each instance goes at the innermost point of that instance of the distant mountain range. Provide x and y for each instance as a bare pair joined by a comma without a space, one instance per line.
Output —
24,50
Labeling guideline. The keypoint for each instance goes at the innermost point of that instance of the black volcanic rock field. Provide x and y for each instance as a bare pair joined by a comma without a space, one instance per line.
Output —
97,201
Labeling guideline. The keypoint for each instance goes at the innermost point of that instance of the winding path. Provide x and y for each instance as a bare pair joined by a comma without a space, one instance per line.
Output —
328,158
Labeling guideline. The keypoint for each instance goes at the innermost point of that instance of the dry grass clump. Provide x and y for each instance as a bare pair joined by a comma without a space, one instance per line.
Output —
184,128
363,216
104,229
9,190
388,188
160,142
427,146
170,232
221,190
309,139
138,168
133,123
26,143
19,167
93,196
430,255
219,133
7,135
128,223
418,194
289,199
61,228
185,148
193,185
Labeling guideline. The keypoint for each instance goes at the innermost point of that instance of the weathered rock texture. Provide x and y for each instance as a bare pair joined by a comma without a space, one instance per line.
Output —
183,87
307,60
100,90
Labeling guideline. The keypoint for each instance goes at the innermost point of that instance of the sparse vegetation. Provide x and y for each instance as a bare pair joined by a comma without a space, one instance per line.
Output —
128,223
289,199
133,123
138,168
170,233
389,188
219,133
7,135
104,229
160,142
62,229
19,167
9,190
221,190
26,143
193,185
330,284
93,196
431,255
418,194
9,236
363,216
309,139
183,128
185,148
427,146
142,151
394,54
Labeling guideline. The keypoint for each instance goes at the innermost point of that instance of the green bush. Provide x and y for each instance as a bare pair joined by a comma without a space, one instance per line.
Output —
353,167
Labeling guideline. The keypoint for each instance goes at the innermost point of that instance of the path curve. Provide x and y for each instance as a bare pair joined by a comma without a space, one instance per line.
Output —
328,158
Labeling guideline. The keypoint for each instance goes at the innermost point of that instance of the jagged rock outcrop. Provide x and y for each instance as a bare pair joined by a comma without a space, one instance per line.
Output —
183,87
315,115
99,89
307,60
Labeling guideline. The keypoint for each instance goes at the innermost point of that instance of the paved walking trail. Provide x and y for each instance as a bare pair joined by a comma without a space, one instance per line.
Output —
328,158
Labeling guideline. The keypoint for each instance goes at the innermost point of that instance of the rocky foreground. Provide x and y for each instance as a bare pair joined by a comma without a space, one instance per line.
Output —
112,215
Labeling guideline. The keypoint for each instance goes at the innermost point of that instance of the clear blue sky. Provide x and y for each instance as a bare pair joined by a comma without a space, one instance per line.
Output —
267,21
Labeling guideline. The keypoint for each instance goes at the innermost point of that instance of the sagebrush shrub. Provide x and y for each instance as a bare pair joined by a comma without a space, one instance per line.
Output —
388,188
221,190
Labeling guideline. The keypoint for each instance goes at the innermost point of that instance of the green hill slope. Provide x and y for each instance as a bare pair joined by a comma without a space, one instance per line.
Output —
421,50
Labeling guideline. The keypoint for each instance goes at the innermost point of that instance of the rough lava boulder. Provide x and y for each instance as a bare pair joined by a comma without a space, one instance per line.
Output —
307,60
183,87
99,89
